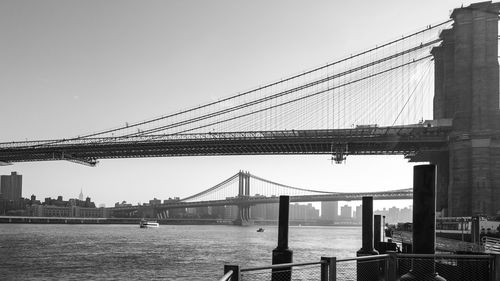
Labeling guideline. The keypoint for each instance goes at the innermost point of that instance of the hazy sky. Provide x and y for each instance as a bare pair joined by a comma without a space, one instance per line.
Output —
74,67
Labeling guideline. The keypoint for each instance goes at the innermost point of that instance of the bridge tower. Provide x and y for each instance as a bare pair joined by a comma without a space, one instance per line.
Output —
467,91
243,191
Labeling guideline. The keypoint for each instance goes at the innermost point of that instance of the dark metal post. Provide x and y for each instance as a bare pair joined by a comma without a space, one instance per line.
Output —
496,267
424,221
329,269
391,270
282,254
377,221
236,271
367,270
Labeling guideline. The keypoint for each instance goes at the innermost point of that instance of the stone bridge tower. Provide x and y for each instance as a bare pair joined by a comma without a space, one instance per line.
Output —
467,91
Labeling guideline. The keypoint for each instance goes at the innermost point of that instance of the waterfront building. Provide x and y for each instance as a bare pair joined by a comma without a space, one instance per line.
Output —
122,204
11,186
171,200
155,201
330,210
303,212
358,214
217,211
68,211
346,212
272,211
230,212
258,212
395,215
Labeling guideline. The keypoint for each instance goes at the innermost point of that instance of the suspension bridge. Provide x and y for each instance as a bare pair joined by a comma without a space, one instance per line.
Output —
373,102
244,190
432,95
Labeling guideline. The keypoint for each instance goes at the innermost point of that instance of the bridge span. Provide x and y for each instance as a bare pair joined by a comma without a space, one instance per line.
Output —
244,190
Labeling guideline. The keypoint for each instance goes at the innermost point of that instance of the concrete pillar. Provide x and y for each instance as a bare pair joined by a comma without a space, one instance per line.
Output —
424,221
282,254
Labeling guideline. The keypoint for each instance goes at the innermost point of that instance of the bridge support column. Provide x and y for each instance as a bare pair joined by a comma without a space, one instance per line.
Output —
241,183
244,216
467,90
424,223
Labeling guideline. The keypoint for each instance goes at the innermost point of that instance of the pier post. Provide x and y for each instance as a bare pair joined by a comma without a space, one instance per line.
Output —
377,234
496,267
367,271
329,269
282,254
391,267
424,222
236,271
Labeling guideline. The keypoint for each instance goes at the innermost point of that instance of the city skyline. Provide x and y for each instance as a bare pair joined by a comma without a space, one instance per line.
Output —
88,66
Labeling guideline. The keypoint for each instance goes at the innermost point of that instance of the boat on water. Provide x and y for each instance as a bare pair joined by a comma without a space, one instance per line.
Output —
147,224
260,229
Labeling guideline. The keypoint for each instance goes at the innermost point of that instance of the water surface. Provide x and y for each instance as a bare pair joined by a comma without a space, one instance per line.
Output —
170,252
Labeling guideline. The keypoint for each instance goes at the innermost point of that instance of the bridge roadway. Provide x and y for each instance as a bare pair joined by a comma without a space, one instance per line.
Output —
402,140
253,200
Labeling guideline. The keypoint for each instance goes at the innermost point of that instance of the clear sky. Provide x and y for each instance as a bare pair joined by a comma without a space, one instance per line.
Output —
74,67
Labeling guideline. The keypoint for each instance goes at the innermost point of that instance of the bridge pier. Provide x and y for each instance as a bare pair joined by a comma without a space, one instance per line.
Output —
467,90
244,215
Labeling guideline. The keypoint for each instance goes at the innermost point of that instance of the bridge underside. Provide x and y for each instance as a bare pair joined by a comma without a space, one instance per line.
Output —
400,140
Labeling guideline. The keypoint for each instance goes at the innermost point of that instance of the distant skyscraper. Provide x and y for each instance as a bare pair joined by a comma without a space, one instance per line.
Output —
359,213
330,210
11,186
346,212
80,197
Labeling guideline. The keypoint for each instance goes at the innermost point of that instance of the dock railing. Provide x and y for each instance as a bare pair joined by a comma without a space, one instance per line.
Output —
387,267
320,270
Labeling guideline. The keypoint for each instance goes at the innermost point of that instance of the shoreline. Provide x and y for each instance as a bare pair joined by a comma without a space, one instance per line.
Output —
75,220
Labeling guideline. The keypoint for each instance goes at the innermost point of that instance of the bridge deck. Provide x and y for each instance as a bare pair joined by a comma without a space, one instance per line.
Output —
403,140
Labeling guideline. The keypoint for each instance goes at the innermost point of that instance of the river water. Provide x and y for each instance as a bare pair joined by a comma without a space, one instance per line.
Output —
170,252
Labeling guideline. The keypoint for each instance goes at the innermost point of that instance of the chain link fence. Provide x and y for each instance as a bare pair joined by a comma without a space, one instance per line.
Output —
362,268
297,273
450,267
387,267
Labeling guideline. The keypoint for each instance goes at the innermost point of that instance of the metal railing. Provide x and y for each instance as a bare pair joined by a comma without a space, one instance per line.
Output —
320,270
491,244
387,267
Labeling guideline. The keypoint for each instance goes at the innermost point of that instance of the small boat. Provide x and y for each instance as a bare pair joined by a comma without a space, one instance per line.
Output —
260,229
146,224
